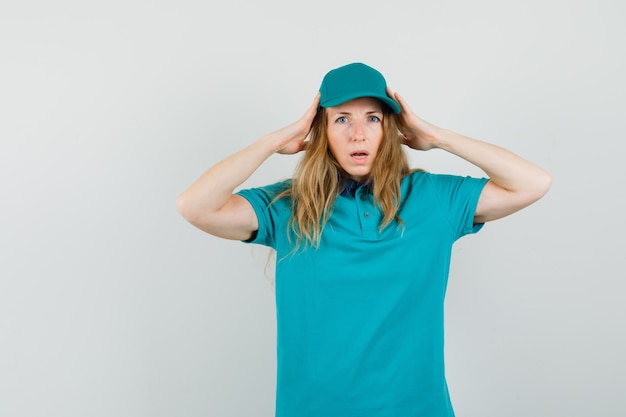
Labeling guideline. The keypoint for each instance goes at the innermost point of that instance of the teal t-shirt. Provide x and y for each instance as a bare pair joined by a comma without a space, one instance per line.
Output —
360,319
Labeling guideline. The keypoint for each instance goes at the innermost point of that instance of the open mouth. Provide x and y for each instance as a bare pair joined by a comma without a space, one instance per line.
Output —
359,154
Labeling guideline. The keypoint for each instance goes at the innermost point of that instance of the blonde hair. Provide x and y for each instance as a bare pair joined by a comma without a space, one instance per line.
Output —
318,179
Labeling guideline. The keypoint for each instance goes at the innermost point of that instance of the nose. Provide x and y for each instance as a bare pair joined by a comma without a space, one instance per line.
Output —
358,131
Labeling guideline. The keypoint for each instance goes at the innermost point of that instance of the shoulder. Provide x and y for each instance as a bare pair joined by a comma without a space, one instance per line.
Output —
447,187
421,178
268,192
441,180
272,201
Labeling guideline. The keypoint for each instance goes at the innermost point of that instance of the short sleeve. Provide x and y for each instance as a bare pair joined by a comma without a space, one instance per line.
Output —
459,197
270,214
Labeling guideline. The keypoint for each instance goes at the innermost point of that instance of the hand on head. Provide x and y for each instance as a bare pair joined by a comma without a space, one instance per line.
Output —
292,139
418,133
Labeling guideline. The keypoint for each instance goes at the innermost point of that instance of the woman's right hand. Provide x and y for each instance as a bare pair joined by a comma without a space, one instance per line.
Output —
292,139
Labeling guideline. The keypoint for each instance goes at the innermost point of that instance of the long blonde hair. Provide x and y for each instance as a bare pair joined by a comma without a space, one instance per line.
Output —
318,179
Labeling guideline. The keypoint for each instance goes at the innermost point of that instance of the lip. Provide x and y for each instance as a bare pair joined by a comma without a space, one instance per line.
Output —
359,156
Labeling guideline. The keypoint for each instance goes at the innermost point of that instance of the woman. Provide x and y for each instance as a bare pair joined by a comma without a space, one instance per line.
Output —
363,244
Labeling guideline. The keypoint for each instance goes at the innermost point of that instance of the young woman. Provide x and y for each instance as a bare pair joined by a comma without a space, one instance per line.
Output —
363,244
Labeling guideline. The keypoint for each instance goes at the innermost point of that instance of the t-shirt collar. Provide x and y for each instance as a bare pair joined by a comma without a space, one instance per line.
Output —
350,186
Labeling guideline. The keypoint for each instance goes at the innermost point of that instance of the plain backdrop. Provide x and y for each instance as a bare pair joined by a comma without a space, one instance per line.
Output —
112,305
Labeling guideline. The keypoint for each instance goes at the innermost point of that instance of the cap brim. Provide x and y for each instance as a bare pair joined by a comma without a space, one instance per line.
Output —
395,107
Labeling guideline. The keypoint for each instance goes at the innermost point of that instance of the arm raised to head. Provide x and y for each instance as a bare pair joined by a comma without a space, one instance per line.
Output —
514,183
210,203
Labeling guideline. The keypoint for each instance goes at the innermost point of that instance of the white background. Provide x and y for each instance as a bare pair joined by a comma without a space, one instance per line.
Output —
112,305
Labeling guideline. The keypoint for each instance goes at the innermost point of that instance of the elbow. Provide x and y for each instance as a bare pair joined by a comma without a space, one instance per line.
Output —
538,187
195,212
543,184
183,207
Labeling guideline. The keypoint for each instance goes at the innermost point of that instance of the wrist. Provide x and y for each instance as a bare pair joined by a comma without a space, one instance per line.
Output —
268,144
444,139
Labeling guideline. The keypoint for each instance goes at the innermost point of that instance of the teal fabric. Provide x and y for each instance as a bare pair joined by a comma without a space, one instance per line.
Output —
354,81
360,320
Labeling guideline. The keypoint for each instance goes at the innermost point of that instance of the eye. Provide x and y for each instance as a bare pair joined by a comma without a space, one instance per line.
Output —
373,118
341,119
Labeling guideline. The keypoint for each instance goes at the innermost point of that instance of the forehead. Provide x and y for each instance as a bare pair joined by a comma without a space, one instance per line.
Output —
362,104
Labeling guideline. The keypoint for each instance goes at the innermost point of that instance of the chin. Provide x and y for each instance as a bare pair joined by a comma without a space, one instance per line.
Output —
359,177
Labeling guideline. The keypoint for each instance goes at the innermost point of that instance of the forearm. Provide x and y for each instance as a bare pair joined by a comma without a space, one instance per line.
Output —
504,168
514,183
209,202
212,190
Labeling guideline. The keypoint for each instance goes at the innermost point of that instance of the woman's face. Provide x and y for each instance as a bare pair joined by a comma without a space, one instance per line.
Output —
355,131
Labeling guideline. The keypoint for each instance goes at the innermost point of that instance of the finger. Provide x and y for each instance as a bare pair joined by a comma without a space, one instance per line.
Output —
309,115
315,105
396,96
316,100
404,106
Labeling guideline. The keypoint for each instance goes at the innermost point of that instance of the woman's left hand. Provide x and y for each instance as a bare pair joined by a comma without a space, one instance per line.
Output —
418,133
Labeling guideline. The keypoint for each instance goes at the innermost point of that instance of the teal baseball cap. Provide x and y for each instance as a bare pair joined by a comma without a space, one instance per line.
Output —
352,81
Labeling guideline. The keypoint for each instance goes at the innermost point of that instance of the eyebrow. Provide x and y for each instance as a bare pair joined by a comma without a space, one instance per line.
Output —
367,112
